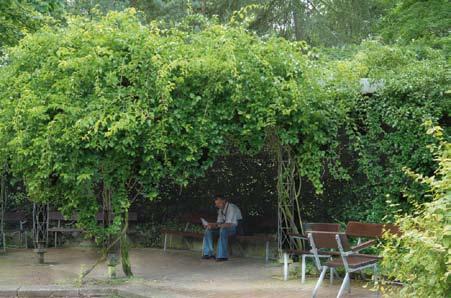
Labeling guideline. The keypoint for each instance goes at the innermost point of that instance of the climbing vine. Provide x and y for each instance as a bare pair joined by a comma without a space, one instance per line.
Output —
107,108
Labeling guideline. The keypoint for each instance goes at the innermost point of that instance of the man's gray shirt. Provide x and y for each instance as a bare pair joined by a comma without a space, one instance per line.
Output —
229,214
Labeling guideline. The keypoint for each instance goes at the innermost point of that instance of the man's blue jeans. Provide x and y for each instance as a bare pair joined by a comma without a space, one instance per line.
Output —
224,234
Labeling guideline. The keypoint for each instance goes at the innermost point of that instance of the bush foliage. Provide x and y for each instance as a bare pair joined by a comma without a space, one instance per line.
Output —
420,256
110,104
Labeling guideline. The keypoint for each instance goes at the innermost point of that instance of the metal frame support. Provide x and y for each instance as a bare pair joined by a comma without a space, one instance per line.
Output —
304,265
346,284
40,229
320,281
288,189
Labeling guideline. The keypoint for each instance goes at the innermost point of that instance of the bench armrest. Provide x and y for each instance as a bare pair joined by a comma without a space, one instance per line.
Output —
363,245
298,236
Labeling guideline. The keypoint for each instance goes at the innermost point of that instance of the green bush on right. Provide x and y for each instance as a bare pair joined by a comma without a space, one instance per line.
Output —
420,256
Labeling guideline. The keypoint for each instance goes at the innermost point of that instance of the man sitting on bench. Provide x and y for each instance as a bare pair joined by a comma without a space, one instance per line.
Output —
228,216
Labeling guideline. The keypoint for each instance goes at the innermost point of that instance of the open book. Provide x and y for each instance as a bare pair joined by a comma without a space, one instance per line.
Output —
204,222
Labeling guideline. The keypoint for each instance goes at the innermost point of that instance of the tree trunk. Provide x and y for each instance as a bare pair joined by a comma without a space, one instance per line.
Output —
125,258
298,19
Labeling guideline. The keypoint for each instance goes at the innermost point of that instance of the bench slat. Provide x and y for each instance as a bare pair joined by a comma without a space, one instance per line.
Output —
201,235
56,215
182,233
67,230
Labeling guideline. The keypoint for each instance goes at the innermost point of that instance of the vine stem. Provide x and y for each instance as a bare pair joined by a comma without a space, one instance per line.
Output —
105,252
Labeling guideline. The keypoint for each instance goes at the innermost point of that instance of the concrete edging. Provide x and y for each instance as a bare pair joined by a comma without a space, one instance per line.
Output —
55,291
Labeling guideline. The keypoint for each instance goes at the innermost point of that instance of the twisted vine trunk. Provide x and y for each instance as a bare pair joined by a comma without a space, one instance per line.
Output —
111,245
124,244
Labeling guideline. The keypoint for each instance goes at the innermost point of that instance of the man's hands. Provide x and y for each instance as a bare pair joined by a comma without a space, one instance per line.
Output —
212,225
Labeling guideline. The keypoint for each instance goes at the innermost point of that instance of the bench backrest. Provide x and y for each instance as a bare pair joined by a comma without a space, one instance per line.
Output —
327,240
194,218
14,216
132,216
58,216
369,230
243,225
323,227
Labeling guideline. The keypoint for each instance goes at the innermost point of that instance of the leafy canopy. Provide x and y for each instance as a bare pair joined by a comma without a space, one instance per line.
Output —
113,104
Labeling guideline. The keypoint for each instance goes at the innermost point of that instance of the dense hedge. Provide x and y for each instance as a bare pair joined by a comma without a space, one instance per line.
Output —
384,130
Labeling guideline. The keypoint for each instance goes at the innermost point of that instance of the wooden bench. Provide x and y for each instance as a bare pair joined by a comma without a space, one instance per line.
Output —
306,252
359,230
66,225
371,231
18,219
195,220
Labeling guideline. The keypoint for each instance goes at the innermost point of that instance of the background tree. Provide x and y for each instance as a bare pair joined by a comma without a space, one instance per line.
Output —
418,21
18,17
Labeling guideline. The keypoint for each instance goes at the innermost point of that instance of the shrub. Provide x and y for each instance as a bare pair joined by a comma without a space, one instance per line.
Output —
420,256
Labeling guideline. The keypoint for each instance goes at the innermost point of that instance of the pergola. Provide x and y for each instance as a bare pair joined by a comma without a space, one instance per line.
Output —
288,188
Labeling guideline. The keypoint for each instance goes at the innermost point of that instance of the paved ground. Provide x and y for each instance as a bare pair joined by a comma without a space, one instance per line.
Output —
174,274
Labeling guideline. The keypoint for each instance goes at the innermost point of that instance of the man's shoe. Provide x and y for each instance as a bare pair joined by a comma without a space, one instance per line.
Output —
221,259
208,257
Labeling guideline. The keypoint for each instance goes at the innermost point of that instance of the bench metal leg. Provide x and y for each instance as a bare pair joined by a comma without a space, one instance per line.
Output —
320,281
331,275
303,266
266,251
56,239
336,274
349,284
375,278
375,273
165,243
345,284
285,266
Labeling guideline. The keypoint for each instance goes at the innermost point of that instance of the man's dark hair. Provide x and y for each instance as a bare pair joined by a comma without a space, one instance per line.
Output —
219,197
